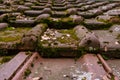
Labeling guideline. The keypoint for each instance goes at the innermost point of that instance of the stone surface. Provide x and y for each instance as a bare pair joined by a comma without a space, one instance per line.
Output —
90,41
3,26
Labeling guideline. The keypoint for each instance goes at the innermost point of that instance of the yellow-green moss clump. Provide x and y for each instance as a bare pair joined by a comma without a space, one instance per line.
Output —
5,59
71,32
73,38
9,38
11,34
59,37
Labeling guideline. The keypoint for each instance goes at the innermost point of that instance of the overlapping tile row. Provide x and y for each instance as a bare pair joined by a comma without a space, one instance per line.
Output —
30,66
59,25
10,69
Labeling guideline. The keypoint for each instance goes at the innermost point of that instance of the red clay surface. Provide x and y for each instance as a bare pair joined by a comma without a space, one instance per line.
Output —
9,69
87,67
20,74
115,65
93,65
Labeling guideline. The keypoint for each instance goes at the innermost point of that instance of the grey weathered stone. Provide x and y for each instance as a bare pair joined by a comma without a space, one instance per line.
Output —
103,17
77,19
23,23
48,5
96,11
80,4
86,14
22,8
90,40
81,31
84,8
69,6
29,40
47,10
3,17
94,24
3,25
5,11
114,20
28,4
33,12
72,11
114,12
8,45
42,16
59,14
37,7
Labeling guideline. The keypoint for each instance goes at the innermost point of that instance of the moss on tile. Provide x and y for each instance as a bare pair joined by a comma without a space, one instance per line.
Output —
27,73
71,32
61,23
118,37
5,59
9,39
67,37
12,34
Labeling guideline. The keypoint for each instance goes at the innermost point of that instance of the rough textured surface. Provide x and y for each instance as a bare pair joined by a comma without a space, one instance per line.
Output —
11,36
11,67
114,64
90,40
70,27
3,26
89,15
50,69
29,40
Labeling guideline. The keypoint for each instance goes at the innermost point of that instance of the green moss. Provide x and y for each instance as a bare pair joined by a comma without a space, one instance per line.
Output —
49,52
71,32
84,78
6,33
16,29
27,73
9,39
21,2
32,65
67,40
67,19
105,57
44,42
28,53
1,1
6,59
62,23
102,20
118,37
112,77
68,36
3,52
37,3
22,29
99,62
12,34
81,51
105,26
